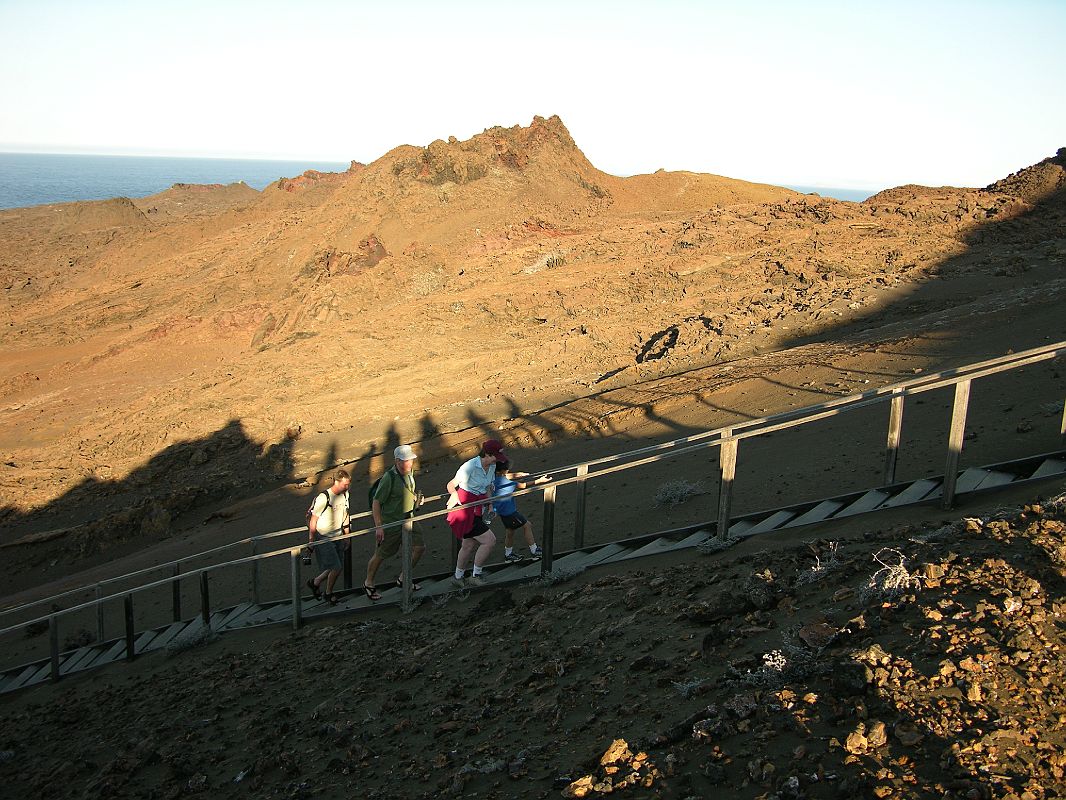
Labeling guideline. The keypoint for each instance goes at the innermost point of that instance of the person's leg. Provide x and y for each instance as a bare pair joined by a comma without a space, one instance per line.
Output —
331,580
465,552
485,544
372,570
527,529
508,539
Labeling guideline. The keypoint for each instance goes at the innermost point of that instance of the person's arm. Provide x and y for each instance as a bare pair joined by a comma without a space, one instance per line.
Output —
527,484
316,513
346,525
379,530
453,492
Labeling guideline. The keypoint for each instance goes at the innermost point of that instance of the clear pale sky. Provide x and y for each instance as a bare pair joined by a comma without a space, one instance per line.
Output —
845,94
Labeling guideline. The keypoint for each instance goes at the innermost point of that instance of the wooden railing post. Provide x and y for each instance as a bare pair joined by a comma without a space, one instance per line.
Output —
1062,425
175,586
297,599
548,532
727,470
405,567
579,513
255,573
895,427
131,634
205,600
99,613
53,645
955,439
348,563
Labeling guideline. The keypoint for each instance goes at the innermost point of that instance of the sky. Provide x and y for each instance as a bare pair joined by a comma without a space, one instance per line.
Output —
852,94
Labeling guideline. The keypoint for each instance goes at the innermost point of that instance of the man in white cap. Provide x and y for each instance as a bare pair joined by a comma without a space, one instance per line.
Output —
395,499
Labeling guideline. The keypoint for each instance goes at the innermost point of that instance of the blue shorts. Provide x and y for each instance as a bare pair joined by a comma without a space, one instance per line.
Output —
513,521
330,554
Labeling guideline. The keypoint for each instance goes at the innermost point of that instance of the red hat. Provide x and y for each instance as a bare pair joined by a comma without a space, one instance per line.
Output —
493,447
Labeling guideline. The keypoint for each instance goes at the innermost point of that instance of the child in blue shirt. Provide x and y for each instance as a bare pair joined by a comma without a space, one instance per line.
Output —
503,487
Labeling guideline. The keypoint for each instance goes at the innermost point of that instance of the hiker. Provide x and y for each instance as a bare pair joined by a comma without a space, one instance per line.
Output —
329,517
395,499
503,487
471,483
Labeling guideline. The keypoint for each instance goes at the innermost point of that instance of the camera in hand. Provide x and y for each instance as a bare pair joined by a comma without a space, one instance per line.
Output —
306,556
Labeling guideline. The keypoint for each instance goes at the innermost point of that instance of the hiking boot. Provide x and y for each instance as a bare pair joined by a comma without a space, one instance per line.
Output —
475,580
511,557
458,583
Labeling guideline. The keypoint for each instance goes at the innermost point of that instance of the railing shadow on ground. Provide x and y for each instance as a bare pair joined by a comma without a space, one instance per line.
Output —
578,475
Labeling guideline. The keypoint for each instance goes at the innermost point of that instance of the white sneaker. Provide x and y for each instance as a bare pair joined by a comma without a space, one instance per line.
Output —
535,556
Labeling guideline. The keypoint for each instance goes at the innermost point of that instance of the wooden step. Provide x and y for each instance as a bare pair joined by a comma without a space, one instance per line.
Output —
236,617
116,651
226,617
868,502
820,512
660,545
919,490
43,673
772,522
739,527
970,480
19,680
141,643
997,477
1051,466
78,660
165,635
582,559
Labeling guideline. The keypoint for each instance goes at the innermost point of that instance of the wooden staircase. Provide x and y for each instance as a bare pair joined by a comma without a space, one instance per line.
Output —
245,615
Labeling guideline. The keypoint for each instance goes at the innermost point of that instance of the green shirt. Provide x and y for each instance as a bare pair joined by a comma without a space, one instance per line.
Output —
396,493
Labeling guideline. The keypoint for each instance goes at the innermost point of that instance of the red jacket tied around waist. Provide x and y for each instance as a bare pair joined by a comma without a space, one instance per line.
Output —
462,519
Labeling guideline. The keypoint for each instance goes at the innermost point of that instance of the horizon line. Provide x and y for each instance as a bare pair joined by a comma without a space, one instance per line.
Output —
871,187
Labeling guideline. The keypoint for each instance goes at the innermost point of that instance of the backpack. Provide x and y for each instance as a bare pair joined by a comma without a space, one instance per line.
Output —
311,508
374,489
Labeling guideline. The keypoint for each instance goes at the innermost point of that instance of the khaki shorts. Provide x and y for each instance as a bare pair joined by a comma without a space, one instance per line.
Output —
390,545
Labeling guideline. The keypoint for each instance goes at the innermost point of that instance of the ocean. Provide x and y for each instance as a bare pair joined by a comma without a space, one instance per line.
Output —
853,195
30,179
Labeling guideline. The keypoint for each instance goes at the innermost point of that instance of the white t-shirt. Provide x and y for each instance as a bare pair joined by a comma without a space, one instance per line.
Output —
332,516
473,478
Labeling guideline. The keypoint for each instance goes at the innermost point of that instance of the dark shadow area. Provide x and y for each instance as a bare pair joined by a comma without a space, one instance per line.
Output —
99,520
